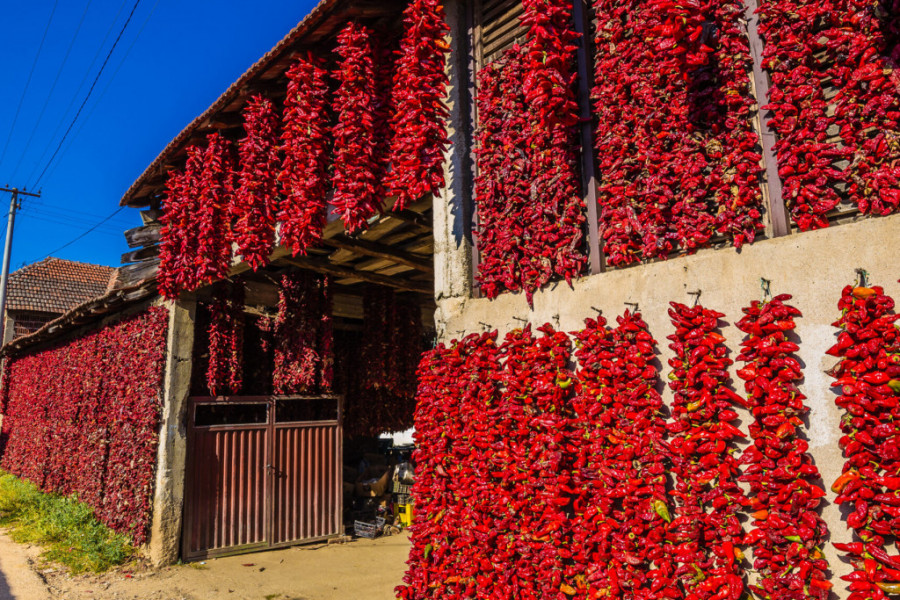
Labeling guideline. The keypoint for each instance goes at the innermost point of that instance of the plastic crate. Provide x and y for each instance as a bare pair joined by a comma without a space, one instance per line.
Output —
405,512
368,530
400,488
402,499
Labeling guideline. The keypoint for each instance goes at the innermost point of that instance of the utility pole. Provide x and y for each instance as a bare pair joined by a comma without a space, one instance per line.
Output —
14,205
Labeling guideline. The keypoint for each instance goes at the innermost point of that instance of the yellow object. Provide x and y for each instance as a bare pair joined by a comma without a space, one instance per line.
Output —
405,511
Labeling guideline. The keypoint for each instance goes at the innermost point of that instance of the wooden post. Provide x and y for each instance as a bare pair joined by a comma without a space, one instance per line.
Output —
589,175
779,220
168,496
475,62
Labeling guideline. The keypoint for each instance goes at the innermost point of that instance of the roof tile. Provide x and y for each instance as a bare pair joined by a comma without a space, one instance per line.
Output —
54,285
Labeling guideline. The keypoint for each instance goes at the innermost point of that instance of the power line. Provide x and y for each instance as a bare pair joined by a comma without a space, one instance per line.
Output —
66,245
90,91
28,82
87,72
109,82
49,94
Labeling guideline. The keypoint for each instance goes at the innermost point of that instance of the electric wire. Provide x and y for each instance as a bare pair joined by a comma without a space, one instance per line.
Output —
102,95
90,91
84,233
49,94
28,82
68,108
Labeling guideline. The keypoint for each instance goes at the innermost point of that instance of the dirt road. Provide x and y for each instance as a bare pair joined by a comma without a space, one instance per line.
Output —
362,568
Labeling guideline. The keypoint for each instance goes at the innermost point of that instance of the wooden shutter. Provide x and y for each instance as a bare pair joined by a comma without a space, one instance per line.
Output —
500,28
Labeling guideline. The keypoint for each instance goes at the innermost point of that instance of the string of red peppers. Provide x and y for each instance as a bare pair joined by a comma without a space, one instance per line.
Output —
225,372
388,355
302,335
356,170
214,198
834,146
83,417
637,462
177,248
678,156
868,376
705,533
680,32
787,541
306,141
418,123
529,205
254,207
594,411
538,386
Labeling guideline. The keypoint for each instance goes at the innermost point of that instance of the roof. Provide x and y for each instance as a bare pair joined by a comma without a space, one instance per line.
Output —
54,285
317,26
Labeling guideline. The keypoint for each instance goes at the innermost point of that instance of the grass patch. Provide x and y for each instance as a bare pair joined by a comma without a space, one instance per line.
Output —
66,528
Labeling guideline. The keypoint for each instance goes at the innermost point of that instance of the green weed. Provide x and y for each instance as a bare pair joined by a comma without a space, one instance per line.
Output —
64,527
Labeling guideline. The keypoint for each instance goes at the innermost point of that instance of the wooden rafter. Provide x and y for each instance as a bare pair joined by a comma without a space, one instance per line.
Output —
329,268
376,250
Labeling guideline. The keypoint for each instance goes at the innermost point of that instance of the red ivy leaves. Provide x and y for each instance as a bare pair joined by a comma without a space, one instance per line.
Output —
530,210
254,206
357,172
851,47
419,114
303,337
225,372
83,418
678,157
307,143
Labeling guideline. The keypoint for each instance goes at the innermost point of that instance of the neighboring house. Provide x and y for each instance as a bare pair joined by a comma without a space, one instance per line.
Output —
45,290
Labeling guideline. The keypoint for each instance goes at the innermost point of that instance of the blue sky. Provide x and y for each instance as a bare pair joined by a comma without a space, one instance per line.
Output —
173,60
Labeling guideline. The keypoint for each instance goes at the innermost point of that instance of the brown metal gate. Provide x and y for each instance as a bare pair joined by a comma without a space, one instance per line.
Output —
261,472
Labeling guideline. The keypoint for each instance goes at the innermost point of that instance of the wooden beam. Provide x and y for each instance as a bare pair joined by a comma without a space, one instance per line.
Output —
418,220
141,254
361,246
145,235
779,221
327,268
589,177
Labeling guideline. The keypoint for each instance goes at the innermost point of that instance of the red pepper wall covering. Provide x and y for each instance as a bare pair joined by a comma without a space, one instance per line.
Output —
678,158
536,481
868,378
527,192
789,532
83,418
526,486
840,142
214,198
254,208
419,130
307,145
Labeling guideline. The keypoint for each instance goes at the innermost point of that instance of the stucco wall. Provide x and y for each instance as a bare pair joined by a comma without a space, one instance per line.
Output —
812,266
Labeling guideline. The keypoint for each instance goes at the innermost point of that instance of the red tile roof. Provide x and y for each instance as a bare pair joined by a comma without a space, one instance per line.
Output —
55,285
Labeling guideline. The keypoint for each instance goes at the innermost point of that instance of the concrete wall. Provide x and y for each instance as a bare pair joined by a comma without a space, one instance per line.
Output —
812,266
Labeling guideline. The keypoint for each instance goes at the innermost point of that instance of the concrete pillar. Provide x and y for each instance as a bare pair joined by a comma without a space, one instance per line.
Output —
452,236
168,499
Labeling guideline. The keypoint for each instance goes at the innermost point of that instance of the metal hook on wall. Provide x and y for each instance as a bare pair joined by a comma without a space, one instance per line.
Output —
485,325
599,312
634,306
696,296
766,287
